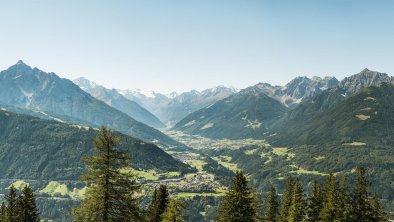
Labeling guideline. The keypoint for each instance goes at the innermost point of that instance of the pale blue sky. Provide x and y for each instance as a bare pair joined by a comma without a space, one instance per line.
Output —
179,45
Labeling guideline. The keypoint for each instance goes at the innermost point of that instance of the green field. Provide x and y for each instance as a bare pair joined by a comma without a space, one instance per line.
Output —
56,188
300,170
225,162
147,175
198,164
355,144
317,158
190,195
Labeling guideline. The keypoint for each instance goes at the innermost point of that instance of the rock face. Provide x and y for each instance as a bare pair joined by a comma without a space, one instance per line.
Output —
347,87
30,88
365,78
298,89
113,98
174,107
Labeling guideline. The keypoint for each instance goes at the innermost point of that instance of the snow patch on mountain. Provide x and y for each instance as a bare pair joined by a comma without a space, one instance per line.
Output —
253,124
190,123
207,126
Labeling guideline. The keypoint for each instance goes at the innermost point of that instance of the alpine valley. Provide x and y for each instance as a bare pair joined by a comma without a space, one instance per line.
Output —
195,142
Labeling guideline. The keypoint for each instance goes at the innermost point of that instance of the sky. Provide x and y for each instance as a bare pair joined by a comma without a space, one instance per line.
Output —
179,45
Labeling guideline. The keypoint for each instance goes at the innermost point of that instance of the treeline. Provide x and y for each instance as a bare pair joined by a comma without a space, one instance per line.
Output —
332,201
162,208
20,207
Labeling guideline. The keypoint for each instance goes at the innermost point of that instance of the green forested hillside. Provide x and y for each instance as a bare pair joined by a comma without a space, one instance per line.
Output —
364,118
33,148
247,114
344,134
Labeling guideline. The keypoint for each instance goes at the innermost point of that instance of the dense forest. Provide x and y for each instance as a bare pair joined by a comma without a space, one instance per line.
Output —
114,195
51,150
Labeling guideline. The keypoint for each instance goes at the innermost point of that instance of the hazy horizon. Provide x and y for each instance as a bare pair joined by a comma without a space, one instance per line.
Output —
156,91
184,45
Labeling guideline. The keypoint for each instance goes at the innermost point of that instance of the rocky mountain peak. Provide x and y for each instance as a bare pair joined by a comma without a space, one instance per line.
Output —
329,82
363,79
303,87
84,83
20,66
295,91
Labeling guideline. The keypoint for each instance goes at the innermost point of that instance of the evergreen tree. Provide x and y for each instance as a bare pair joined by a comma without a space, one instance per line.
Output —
297,207
173,212
239,203
286,200
3,213
151,212
329,211
315,202
379,215
111,188
343,201
361,209
158,205
12,207
331,204
271,209
27,208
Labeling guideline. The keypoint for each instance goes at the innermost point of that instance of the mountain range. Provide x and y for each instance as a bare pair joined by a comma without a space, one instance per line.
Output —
310,126
259,111
335,108
336,129
248,113
298,89
366,117
252,111
173,107
113,98
30,88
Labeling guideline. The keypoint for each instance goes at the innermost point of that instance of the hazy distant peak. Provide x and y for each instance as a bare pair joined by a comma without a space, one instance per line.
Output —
20,65
115,99
138,92
225,87
172,95
20,62
85,83
316,78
